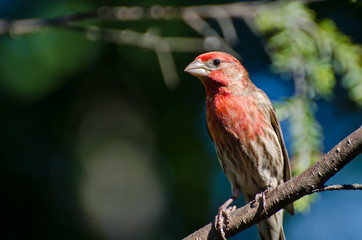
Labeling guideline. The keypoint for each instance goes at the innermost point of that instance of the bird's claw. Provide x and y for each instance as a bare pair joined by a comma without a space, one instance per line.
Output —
222,218
261,195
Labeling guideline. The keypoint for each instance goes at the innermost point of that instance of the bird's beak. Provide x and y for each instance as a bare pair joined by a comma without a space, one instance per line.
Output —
197,68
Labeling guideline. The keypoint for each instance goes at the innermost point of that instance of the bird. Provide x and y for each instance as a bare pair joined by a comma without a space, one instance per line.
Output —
243,125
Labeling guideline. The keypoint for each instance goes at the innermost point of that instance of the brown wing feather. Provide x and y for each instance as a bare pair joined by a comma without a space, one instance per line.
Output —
287,175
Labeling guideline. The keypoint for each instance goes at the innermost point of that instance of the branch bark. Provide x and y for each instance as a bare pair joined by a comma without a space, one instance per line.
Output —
306,183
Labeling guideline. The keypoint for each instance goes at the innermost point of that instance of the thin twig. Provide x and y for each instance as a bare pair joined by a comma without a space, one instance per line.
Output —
212,39
339,187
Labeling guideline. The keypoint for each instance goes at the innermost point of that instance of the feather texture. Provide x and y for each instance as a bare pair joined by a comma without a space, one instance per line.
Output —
244,127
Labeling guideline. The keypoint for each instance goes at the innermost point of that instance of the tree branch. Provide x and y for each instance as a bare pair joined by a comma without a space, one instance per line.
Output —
339,187
194,16
306,183
222,13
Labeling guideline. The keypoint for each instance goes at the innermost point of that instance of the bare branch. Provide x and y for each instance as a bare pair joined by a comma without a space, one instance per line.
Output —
306,183
135,13
167,64
194,16
339,187
212,39
122,13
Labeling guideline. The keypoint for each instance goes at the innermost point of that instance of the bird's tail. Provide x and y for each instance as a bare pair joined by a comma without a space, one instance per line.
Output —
272,227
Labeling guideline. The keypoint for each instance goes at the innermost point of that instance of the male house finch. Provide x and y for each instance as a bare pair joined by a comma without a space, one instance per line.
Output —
244,127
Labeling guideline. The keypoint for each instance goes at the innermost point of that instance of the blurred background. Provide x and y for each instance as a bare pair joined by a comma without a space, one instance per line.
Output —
105,138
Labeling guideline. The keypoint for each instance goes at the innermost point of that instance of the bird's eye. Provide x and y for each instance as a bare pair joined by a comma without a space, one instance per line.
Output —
216,62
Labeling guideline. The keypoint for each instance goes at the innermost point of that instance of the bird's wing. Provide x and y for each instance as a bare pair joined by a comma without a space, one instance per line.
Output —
276,126
287,174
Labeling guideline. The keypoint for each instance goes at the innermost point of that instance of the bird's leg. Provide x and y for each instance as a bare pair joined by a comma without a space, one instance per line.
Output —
223,215
261,195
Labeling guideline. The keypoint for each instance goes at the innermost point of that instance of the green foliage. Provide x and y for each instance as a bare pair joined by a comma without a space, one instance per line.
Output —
318,51
305,130
347,60
306,138
315,54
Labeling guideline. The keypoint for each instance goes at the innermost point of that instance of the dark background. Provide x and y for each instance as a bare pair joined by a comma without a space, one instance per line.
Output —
94,145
